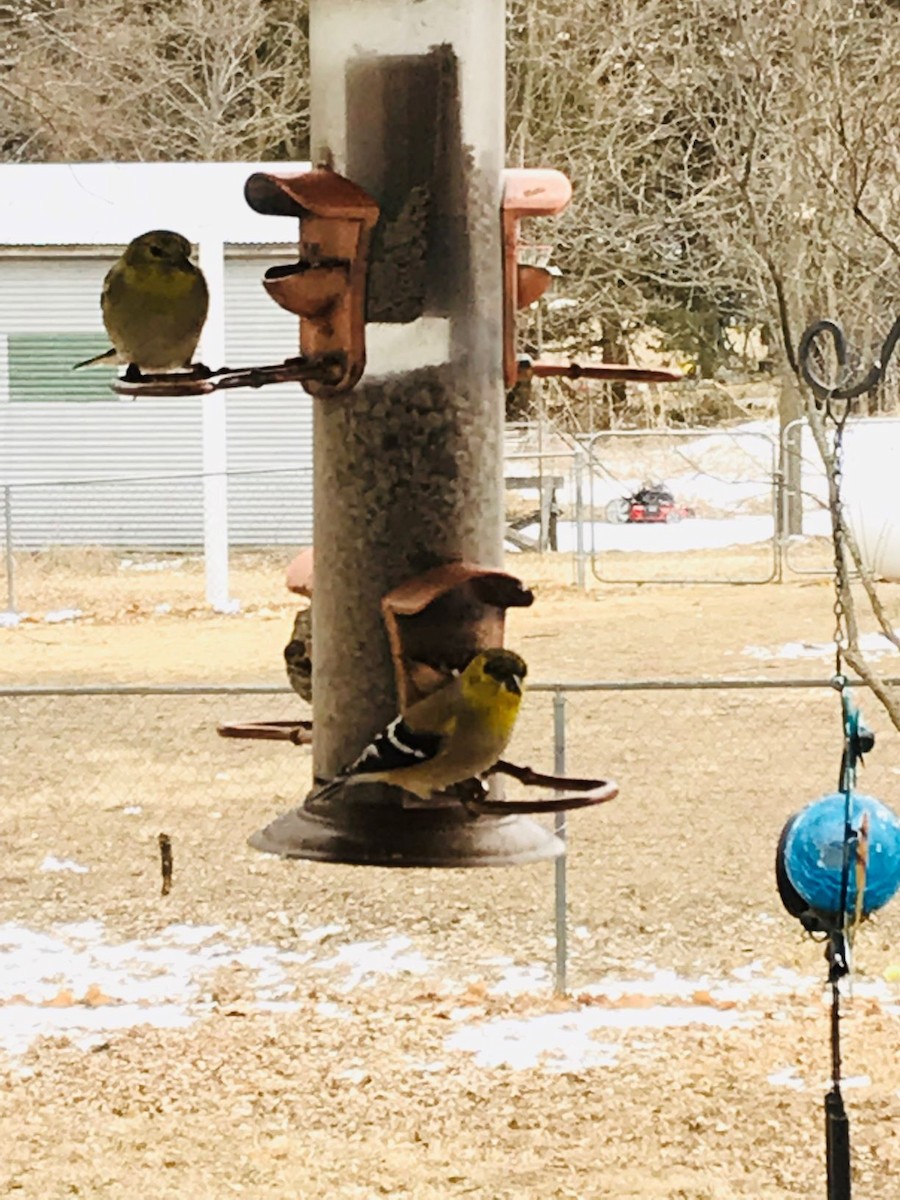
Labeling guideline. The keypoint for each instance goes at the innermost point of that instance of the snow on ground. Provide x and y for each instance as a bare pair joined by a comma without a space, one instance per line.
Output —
694,533
77,981
726,475
564,1041
873,646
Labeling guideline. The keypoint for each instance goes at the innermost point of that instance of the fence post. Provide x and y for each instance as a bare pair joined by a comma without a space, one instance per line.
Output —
578,470
780,514
8,543
559,828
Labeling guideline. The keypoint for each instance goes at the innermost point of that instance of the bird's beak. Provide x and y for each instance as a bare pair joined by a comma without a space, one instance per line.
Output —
514,685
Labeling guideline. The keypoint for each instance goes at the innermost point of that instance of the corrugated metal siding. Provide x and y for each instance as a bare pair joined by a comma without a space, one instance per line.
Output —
79,445
45,439
270,430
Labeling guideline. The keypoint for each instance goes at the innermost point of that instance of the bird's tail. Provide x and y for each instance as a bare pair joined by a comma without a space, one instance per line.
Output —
107,358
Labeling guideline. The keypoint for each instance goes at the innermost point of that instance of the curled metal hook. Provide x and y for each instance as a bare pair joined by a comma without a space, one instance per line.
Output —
846,389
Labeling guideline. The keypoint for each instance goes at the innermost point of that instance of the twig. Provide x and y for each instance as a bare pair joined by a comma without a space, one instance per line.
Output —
165,857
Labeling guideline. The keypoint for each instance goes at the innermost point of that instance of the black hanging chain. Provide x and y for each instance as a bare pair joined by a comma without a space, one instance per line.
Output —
841,631
834,401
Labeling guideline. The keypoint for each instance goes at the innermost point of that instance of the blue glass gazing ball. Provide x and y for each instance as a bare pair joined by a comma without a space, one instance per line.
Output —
813,849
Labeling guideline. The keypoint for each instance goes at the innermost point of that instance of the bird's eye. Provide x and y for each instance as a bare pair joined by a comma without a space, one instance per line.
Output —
156,251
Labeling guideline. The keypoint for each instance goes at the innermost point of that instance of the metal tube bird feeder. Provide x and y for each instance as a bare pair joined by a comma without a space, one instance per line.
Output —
399,288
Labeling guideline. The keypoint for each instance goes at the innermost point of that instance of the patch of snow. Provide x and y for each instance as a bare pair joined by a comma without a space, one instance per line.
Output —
559,1042
336,1012
364,962
873,646
73,981
153,564
62,614
355,1075
52,863
555,1041
321,933
9,620
428,1068
693,533
747,983
786,1077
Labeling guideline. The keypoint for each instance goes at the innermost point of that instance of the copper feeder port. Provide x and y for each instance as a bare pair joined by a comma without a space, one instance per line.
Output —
437,621
311,290
299,578
326,287
531,283
527,192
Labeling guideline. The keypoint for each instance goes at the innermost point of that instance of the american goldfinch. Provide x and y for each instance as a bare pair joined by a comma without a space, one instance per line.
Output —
455,733
154,304
298,655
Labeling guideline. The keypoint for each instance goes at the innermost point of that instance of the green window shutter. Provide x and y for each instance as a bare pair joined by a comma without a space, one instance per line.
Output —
40,367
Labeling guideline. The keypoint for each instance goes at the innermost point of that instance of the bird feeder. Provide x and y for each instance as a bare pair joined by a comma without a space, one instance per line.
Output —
404,228
435,623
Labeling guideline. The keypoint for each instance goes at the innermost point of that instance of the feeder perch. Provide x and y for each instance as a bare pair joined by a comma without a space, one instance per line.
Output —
603,372
298,732
437,621
326,287
200,380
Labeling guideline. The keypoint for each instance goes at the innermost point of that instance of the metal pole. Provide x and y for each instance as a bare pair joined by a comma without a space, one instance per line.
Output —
578,467
559,828
780,513
215,436
837,1126
8,542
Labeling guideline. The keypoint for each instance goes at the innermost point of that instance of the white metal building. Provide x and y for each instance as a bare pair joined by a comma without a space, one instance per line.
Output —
63,433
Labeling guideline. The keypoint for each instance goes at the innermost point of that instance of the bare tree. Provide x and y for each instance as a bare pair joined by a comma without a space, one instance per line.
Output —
197,79
727,156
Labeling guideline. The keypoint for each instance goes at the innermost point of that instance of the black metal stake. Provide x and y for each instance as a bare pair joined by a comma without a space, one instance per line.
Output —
837,1126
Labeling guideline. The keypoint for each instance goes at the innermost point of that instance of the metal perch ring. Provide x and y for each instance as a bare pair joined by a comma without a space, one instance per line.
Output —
574,793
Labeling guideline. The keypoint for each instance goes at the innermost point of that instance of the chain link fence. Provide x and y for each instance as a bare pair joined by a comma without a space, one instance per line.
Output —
721,507
680,864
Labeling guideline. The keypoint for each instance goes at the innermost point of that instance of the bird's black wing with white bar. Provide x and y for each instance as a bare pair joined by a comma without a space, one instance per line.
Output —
395,747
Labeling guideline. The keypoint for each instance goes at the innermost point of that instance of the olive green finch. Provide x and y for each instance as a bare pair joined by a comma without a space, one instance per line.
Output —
154,304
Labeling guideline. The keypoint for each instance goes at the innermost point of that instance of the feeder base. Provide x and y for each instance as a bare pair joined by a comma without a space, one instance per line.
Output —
378,835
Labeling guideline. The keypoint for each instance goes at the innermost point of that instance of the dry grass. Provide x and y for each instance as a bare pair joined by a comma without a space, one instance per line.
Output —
677,872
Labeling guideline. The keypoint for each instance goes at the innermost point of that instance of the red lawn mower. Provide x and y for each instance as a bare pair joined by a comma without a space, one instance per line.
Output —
651,504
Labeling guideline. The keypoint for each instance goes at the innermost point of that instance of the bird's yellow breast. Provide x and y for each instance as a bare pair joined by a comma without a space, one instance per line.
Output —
165,283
